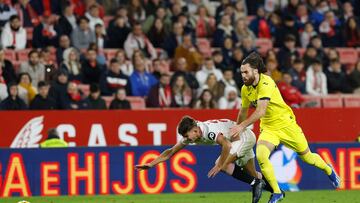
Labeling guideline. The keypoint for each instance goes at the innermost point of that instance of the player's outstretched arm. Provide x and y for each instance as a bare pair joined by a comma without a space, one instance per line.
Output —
242,115
225,149
258,113
165,155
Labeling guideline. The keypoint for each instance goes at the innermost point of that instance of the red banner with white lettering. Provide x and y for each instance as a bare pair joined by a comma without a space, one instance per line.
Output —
152,127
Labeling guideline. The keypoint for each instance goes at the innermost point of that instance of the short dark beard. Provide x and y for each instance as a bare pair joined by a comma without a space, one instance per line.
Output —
14,29
250,81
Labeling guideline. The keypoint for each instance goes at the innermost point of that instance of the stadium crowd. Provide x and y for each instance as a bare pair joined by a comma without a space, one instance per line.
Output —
73,54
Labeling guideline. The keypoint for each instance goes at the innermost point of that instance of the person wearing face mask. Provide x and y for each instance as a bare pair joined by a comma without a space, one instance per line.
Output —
13,35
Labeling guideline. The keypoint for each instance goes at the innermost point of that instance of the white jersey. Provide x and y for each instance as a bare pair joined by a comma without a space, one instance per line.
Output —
211,129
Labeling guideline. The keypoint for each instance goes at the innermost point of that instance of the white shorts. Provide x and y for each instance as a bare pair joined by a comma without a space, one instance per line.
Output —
243,148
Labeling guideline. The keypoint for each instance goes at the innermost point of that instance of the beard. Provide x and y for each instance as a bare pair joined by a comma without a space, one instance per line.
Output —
15,29
249,81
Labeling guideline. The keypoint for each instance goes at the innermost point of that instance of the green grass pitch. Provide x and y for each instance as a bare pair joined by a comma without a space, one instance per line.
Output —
319,196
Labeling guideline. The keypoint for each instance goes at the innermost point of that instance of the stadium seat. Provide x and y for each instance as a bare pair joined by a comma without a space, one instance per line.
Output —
10,55
29,33
332,101
85,89
110,53
351,101
22,55
204,46
137,102
314,99
263,45
348,55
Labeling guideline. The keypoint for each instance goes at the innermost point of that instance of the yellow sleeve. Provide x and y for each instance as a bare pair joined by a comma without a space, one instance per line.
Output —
266,89
245,103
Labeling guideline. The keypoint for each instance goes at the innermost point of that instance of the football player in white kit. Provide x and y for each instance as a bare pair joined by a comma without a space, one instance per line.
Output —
238,150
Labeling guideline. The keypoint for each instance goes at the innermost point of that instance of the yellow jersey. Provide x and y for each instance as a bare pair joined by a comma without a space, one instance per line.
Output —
278,114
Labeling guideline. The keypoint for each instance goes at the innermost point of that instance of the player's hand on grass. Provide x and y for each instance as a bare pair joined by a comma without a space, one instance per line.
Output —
236,130
142,167
215,170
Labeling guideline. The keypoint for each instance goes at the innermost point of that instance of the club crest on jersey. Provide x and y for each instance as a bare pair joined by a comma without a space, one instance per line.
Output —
211,136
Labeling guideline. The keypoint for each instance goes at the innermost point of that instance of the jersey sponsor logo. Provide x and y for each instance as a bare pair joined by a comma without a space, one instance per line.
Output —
211,136
265,83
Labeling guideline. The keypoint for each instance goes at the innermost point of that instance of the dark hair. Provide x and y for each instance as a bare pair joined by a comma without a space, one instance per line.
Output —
22,74
255,61
298,60
81,19
316,61
216,52
13,17
42,84
94,88
185,125
53,134
114,60
31,52
290,38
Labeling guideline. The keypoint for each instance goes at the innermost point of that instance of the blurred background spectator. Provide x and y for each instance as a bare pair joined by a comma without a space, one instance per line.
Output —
120,101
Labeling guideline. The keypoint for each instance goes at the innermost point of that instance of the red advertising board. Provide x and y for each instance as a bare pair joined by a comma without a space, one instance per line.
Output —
152,127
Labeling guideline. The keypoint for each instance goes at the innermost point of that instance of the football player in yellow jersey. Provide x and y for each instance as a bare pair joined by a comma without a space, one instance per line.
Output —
277,123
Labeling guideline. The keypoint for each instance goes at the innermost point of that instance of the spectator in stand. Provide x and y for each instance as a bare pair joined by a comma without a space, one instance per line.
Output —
354,78
188,51
316,42
331,54
240,10
136,11
157,68
42,100
46,58
33,67
94,99
206,101
228,79
302,15
348,12
290,28
50,6
220,9
174,39
291,95
6,11
162,17
27,14
298,75
12,102
227,49
215,86
64,43
120,101
82,36
207,69
91,70
187,22
94,16
67,21
316,81
117,33
113,79
152,6
141,81
160,95
157,33
247,45
58,87
273,71
351,33
310,56
307,34
13,36
137,40
7,72
219,60
82,6
223,30
230,100
27,92
242,30
329,30
181,91
235,64
181,70
336,79
275,26
101,38
122,12
73,99
287,53
126,66
317,16
46,33
259,25
71,64
205,24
